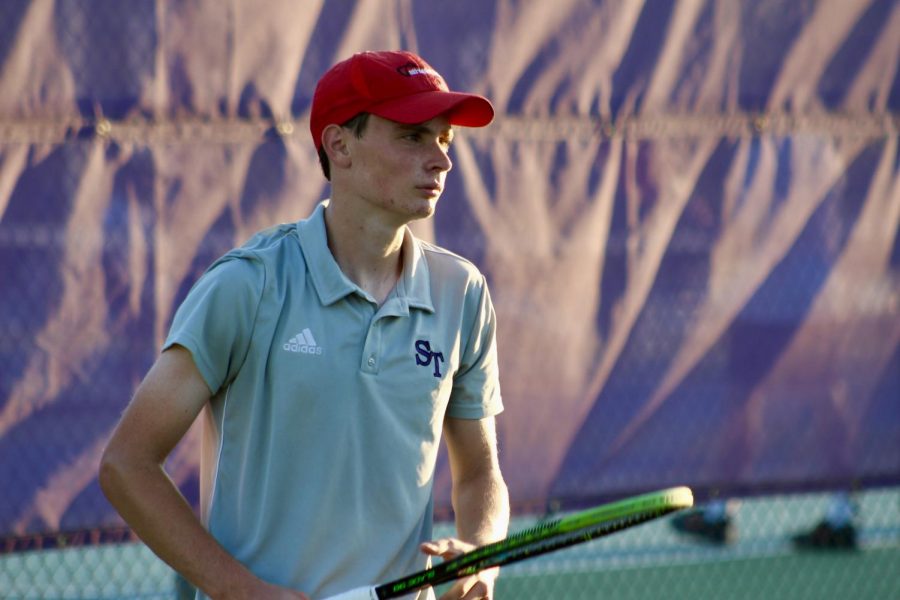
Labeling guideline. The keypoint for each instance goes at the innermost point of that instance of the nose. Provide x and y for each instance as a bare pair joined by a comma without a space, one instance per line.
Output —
440,159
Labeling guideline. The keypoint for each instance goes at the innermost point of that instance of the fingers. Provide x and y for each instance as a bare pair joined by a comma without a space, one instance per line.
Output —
479,591
446,548
477,587
470,588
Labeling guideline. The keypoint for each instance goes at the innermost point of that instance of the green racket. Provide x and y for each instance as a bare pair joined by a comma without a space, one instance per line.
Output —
547,537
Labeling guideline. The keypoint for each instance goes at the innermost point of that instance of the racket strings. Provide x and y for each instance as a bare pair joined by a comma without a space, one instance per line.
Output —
530,542
636,519
593,531
541,530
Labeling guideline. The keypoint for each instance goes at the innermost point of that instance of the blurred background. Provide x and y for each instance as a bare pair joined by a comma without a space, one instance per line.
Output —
687,211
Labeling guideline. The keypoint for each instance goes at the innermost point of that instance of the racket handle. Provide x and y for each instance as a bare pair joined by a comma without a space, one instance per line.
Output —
360,593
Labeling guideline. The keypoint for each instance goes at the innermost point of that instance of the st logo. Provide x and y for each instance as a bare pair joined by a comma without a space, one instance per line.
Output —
424,356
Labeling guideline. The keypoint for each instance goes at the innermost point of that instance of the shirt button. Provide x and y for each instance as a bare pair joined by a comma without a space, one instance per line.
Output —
371,361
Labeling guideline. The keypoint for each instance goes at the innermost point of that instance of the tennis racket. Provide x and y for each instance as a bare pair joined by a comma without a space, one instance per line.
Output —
546,537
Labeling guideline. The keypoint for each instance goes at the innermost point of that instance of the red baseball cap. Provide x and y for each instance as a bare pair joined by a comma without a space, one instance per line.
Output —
394,85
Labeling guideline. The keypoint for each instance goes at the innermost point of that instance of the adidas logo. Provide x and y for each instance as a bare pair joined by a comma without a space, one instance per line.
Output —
304,343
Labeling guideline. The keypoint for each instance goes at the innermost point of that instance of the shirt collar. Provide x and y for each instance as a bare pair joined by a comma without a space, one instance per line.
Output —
414,286
413,289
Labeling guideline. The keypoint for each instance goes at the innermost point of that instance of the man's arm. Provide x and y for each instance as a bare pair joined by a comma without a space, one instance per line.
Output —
133,478
480,498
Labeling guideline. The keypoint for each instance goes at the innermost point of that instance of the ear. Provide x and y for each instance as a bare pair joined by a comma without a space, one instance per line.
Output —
334,142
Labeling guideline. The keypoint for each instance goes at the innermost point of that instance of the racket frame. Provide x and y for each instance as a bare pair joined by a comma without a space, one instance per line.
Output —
559,533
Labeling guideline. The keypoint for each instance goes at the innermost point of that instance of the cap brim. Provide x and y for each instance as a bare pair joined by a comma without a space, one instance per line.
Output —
468,110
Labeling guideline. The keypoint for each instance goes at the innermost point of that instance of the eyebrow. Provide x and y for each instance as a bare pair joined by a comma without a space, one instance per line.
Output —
423,129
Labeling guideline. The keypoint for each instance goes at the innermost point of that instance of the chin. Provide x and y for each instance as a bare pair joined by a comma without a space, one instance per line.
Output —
423,209
413,209
423,213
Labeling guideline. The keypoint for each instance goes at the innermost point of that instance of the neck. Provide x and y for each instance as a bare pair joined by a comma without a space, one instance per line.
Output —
366,248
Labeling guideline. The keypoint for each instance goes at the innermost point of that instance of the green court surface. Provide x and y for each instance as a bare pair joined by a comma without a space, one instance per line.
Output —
650,561
870,574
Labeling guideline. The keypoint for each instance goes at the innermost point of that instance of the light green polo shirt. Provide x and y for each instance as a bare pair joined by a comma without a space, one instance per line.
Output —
327,410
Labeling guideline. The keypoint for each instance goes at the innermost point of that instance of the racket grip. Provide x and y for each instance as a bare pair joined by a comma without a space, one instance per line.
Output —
360,593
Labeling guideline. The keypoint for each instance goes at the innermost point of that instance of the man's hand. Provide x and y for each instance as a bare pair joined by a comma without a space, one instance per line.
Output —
475,587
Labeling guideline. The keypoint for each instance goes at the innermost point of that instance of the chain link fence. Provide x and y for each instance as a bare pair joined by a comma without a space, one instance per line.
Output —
650,561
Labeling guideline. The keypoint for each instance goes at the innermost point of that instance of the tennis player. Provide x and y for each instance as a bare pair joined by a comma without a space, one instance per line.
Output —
328,358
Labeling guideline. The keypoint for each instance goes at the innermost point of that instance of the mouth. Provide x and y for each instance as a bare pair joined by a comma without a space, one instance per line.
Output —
430,189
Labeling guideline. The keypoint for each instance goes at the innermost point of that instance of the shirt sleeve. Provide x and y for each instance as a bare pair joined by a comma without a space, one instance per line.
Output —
476,385
215,321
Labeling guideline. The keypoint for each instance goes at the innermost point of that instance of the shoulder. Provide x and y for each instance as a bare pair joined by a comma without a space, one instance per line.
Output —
271,240
253,264
450,266
265,247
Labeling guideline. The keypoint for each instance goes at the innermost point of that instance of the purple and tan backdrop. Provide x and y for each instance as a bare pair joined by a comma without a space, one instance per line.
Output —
687,211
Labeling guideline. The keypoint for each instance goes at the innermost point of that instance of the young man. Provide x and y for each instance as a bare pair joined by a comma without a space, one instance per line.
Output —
328,358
